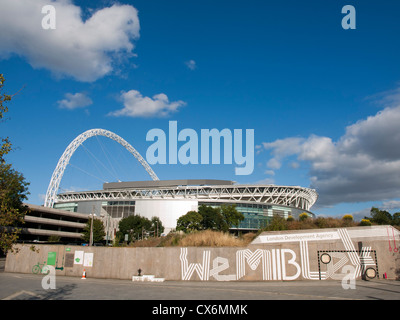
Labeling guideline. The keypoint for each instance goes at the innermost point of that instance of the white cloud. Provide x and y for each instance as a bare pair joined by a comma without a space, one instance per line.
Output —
282,148
73,101
135,105
390,205
85,50
191,64
363,165
270,172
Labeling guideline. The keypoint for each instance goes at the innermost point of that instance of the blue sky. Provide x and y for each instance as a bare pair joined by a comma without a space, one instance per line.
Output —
323,101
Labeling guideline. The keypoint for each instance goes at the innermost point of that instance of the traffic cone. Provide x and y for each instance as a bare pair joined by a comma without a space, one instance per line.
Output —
84,274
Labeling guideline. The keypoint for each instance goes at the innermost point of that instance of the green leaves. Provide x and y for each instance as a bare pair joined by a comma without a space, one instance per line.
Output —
13,188
219,218
98,231
135,226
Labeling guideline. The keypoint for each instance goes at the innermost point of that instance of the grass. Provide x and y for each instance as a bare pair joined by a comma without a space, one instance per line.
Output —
206,238
209,238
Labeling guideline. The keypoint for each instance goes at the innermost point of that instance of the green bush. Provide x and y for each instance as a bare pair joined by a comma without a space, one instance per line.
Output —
365,223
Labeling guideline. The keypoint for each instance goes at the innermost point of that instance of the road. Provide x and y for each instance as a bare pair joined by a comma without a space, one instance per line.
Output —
15,286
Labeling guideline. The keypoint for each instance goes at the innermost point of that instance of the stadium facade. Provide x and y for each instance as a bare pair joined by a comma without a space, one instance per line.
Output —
170,199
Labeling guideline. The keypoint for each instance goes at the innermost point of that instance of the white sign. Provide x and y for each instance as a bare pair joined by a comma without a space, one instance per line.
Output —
88,260
78,257
315,236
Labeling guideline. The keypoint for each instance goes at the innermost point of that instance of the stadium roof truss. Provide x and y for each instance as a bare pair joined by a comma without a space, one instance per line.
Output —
69,151
299,197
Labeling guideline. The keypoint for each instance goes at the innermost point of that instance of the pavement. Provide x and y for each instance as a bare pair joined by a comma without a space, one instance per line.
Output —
17,286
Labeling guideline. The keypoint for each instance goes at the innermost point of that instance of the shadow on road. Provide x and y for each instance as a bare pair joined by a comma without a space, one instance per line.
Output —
56,294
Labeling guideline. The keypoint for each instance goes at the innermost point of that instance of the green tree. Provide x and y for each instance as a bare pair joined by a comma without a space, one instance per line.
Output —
98,231
396,219
134,226
231,216
380,216
211,218
156,226
220,218
13,188
189,222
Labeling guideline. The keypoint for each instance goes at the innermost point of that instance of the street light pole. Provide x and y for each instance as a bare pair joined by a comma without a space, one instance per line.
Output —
91,229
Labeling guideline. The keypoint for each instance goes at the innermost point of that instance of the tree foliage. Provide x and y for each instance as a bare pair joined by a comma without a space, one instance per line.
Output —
189,222
98,231
13,188
377,217
384,217
135,226
208,218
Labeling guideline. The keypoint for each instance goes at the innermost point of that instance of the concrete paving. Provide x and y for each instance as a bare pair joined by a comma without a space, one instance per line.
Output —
17,286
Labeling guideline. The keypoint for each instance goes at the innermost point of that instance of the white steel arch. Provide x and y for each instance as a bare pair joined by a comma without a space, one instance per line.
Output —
69,151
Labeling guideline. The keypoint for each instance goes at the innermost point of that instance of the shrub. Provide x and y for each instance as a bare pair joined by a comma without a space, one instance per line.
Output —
277,223
348,217
365,223
303,216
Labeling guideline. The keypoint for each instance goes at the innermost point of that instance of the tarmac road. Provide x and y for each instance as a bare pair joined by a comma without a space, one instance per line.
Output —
17,286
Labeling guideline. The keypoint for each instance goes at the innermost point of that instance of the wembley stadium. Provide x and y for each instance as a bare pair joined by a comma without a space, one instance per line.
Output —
170,199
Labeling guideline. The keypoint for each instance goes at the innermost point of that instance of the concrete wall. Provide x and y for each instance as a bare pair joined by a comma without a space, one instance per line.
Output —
282,255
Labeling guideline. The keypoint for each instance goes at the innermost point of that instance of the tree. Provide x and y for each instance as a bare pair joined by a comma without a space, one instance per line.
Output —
231,215
220,218
98,230
134,226
156,226
211,218
396,219
189,222
13,188
380,216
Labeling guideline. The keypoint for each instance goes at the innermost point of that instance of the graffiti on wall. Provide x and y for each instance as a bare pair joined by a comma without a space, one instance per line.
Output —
283,263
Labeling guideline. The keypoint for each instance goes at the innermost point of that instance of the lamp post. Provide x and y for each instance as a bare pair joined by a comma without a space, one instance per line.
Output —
91,228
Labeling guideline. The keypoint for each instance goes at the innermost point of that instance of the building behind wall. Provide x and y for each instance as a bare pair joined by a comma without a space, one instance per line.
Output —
170,199
41,223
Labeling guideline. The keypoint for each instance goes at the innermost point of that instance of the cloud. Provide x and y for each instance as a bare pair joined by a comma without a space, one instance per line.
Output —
191,64
389,98
361,214
84,50
135,105
363,165
390,205
73,101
